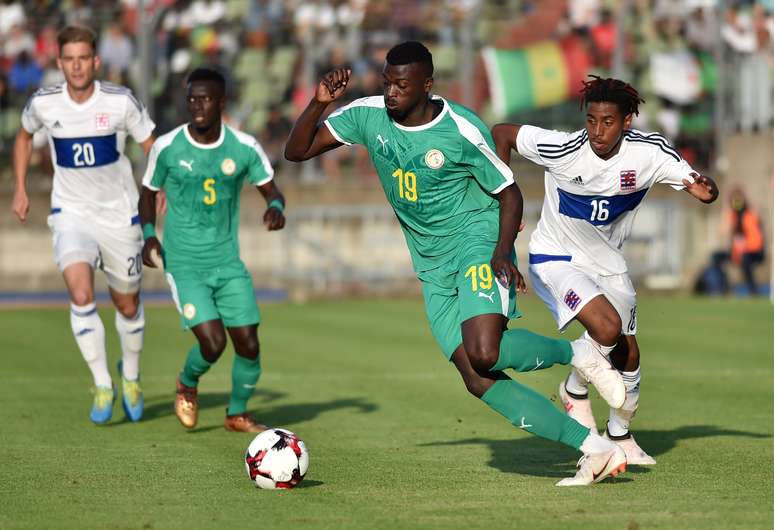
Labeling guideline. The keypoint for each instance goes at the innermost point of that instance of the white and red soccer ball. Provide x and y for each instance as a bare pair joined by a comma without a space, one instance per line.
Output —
276,459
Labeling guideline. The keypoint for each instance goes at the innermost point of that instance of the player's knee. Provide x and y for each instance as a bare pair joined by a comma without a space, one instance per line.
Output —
81,298
212,347
128,308
248,348
608,330
482,355
476,384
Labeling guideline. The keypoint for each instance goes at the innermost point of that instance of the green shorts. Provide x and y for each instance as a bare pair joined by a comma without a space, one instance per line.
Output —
462,289
225,293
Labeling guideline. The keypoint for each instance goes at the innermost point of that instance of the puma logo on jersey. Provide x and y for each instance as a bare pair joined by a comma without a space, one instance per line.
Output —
382,141
524,425
489,296
187,164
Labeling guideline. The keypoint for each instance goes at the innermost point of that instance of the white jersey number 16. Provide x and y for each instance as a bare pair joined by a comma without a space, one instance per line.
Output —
599,211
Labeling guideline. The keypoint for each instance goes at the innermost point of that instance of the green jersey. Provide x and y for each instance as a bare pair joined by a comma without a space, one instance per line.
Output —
202,183
440,178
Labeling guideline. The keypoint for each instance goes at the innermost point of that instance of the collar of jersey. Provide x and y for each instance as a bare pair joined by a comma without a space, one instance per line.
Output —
429,124
85,104
213,145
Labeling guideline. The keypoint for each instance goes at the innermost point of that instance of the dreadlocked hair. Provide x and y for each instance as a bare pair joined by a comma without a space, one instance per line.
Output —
613,91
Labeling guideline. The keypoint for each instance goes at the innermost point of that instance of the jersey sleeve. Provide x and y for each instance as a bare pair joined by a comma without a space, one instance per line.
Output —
138,122
347,124
478,153
546,147
672,169
259,170
156,171
29,117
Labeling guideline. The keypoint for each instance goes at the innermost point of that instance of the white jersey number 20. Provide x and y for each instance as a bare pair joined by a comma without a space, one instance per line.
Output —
83,154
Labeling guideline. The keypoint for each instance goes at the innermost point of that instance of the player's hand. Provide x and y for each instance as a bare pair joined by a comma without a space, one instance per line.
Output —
332,85
20,204
273,219
151,253
703,188
506,272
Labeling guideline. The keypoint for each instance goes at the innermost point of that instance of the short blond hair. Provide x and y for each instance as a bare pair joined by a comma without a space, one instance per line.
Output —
77,34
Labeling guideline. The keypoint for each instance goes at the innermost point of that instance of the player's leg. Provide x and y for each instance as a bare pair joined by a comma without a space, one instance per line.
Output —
193,296
121,262
245,373
490,346
76,253
528,410
235,298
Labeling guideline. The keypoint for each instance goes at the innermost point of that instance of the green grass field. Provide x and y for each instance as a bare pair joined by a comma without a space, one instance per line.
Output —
395,441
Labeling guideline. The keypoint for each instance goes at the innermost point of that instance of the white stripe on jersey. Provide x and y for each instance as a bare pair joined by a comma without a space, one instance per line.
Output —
370,101
590,204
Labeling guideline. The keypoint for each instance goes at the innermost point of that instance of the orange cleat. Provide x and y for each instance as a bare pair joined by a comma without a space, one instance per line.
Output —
244,422
186,405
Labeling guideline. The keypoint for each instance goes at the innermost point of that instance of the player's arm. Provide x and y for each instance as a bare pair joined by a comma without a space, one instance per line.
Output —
702,187
511,211
22,150
504,135
309,137
274,216
151,249
147,144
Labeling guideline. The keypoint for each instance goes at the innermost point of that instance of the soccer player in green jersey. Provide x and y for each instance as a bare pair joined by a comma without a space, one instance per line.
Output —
460,210
201,166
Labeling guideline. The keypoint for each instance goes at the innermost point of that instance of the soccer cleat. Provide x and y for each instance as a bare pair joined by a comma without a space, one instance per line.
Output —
577,407
599,372
186,405
595,467
102,408
635,456
131,397
244,422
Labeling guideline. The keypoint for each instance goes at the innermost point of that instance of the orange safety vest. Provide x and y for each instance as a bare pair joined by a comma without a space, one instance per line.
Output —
751,238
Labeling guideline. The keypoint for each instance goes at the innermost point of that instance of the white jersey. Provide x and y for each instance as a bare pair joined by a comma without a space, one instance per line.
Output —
92,176
590,203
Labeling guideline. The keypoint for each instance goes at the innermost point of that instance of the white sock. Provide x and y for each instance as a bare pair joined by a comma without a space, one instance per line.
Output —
594,443
90,335
618,423
131,332
576,383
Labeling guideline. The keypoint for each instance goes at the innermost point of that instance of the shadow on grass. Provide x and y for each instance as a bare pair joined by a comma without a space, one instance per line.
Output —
542,458
275,416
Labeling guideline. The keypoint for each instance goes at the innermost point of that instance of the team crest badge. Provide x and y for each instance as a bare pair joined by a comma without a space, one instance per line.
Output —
572,299
189,311
628,180
434,159
228,166
102,122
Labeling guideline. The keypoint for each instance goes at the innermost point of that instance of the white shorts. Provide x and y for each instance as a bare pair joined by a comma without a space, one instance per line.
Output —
116,251
566,288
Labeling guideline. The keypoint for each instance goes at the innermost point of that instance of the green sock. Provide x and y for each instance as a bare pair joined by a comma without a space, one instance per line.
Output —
525,351
244,375
530,411
195,366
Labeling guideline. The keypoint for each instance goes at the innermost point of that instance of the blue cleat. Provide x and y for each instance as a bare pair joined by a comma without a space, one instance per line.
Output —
131,399
102,408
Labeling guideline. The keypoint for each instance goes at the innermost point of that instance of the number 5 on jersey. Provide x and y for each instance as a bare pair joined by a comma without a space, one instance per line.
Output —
210,196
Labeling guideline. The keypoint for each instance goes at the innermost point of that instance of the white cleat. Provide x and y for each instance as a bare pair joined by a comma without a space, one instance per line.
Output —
599,372
635,456
578,409
595,467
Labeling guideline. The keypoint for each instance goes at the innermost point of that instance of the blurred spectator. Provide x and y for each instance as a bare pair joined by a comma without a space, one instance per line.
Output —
17,41
25,76
115,50
78,13
743,227
11,14
275,133
746,33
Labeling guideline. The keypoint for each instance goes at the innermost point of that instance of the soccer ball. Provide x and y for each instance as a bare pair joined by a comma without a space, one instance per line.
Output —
276,459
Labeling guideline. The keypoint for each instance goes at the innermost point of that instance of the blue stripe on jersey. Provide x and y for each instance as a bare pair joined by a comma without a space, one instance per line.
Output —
657,140
598,209
92,151
534,259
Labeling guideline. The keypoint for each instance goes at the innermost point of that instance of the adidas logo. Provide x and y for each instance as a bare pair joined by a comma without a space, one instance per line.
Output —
578,180
57,125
